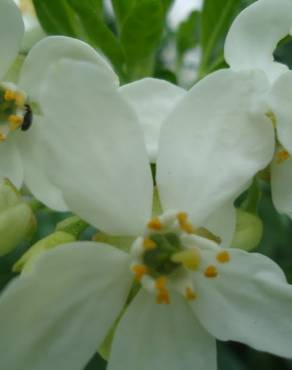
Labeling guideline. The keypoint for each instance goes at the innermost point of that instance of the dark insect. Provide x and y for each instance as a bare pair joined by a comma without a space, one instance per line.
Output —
27,119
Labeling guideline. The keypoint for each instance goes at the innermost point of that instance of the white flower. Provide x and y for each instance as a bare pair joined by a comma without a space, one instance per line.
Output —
192,290
250,44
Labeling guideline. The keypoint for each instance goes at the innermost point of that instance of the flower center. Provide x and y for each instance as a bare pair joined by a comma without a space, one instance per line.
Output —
15,112
168,253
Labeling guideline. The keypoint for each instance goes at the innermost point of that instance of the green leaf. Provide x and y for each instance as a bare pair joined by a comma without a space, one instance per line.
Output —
122,8
188,34
216,18
167,4
56,17
141,34
99,35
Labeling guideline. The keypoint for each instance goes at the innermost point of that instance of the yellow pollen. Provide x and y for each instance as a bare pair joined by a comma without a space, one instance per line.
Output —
149,244
9,95
282,156
223,257
190,294
184,224
190,258
211,272
19,99
162,295
139,271
2,137
155,224
15,122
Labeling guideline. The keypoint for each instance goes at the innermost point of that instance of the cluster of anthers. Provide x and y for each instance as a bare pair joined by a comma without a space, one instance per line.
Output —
168,253
15,113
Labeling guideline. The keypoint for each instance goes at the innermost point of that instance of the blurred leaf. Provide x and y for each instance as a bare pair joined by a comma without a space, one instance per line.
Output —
216,18
188,34
141,33
100,36
56,17
167,4
122,9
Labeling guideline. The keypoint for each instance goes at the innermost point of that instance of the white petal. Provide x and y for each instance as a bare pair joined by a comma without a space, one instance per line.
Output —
280,103
36,179
57,315
281,186
156,337
254,36
217,138
49,51
11,31
153,100
249,301
96,153
10,163
222,223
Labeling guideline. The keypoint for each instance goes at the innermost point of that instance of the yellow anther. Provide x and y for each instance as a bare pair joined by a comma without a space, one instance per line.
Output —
9,95
2,137
139,271
149,244
211,272
189,258
272,117
19,99
190,294
162,295
223,257
15,122
184,224
282,156
155,224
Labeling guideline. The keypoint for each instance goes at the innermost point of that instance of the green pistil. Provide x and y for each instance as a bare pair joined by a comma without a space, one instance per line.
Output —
159,258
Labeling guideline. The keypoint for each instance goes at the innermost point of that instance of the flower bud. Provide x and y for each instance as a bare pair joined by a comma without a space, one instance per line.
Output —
50,242
17,221
248,232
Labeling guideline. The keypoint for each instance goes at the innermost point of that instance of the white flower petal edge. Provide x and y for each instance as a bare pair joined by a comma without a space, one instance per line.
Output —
222,223
279,99
249,301
254,35
51,50
153,100
11,31
61,300
156,337
11,163
215,140
36,179
98,156
281,185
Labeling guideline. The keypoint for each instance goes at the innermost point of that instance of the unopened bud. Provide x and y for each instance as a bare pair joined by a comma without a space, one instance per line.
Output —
17,221
249,231
50,242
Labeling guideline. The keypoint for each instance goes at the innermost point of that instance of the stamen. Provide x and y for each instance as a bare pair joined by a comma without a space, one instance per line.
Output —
190,294
211,272
139,271
19,99
223,257
184,224
9,95
190,258
15,122
155,224
149,244
162,296
272,117
282,156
